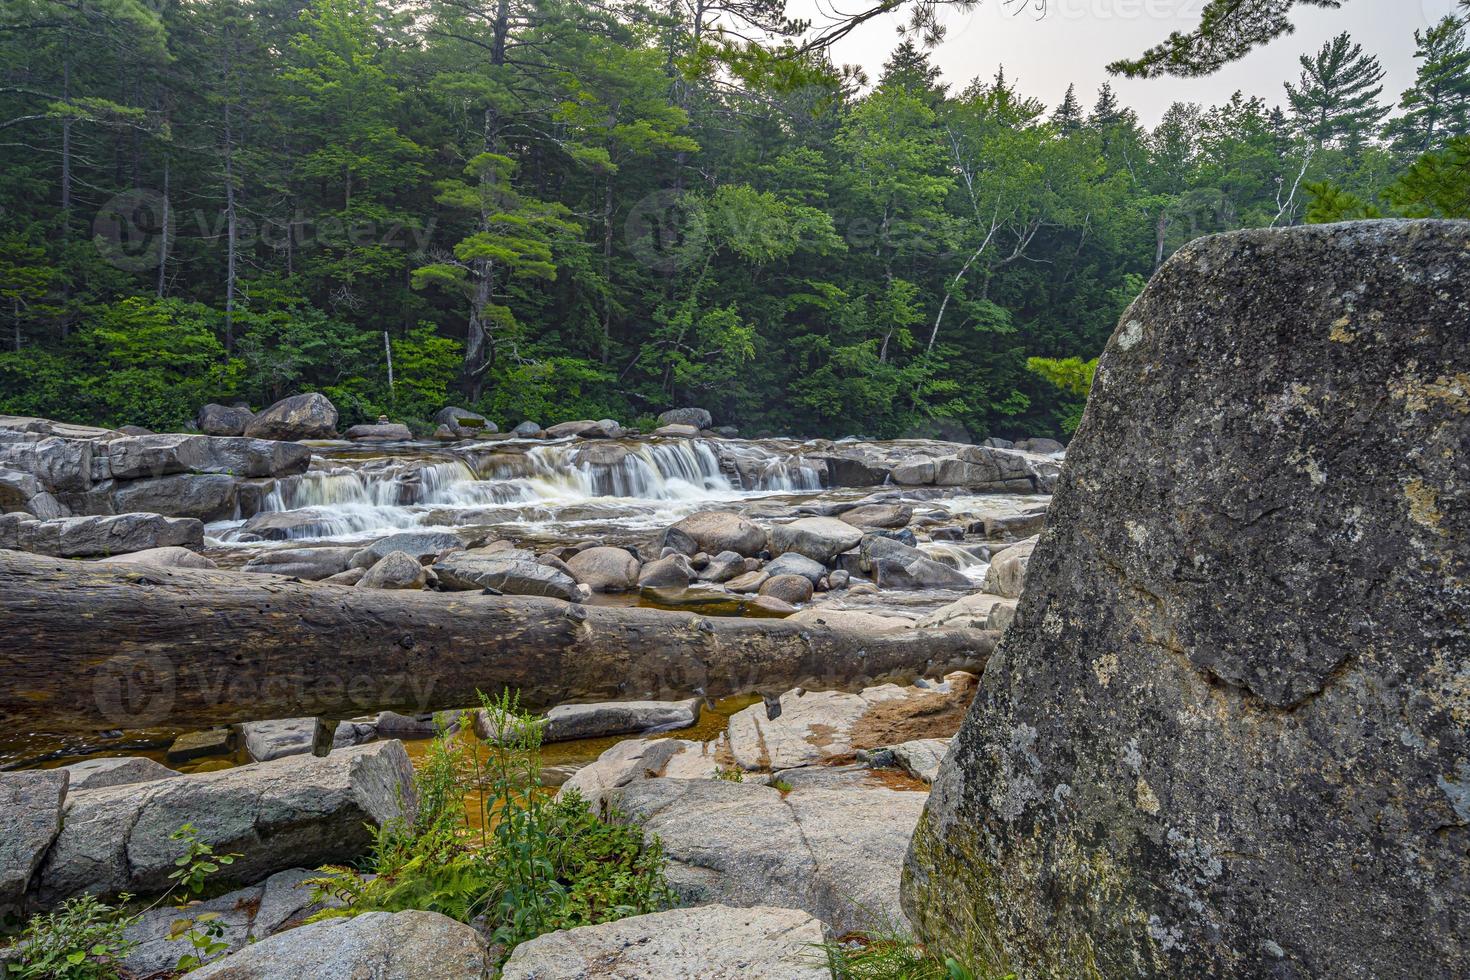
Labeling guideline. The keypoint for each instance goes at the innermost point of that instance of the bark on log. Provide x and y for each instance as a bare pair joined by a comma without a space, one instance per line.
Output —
92,646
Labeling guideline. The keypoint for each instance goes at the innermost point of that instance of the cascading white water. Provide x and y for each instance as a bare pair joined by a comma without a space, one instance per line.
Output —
381,494
958,557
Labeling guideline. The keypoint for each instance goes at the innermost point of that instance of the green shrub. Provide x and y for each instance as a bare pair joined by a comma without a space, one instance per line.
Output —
82,940
890,954
533,864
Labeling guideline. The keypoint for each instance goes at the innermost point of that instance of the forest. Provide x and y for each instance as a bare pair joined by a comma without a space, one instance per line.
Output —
549,210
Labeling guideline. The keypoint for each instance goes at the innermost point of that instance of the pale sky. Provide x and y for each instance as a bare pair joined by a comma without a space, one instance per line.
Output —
1075,39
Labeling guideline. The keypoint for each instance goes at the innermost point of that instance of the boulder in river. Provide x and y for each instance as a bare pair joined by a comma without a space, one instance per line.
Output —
463,418
894,565
892,516
1007,574
571,721
677,432
792,563
605,569
377,945
669,572
715,531
420,545
1227,734
395,570
586,428
290,812
723,567
97,537
819,538
379,432
793,589
309,564
698,418
276,739
462,571
309,416
528,430
713,942
224,420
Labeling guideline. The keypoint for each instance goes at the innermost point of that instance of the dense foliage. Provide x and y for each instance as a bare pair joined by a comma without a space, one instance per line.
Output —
552,209
525,865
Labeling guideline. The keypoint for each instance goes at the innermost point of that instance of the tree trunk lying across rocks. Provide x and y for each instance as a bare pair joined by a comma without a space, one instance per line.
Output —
93,646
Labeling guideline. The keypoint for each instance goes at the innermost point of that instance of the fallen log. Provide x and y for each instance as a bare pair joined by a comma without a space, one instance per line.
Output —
91,646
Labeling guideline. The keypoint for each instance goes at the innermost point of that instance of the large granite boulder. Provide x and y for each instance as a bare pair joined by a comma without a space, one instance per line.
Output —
1006,576
894,565
374,946
714,942
819,538
296,811
698,418
310,416
713,532
223,420
97,537
1227,734
30,818
395,570
466,572
144,457
605,569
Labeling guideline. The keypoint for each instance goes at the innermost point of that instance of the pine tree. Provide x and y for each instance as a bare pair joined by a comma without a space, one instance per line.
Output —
910,69
1336,101
1107,111
1068,116
1437,108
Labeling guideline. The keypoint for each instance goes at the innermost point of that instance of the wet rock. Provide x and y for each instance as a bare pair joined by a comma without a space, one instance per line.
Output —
770,605
396,570
835,853
819,538
605,569
1007,575
792,563
571,721
713,942
893,516
197,745
30,818
723,567
96,537
605,454
308,564
310,416
223,420
378,945
462,572
696,418
172,557
670,572
794,589
420,545
115,771
379,432
296,811
894,565
1224,736
749,582
267,740
677,432
713,532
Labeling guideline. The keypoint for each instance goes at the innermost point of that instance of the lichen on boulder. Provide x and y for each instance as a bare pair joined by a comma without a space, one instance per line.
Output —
1226,734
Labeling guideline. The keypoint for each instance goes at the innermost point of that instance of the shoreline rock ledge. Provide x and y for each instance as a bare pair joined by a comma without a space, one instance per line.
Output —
1226,734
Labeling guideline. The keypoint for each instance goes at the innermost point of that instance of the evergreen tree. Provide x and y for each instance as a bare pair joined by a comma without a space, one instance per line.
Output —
1437,107
1336,100
1068,115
